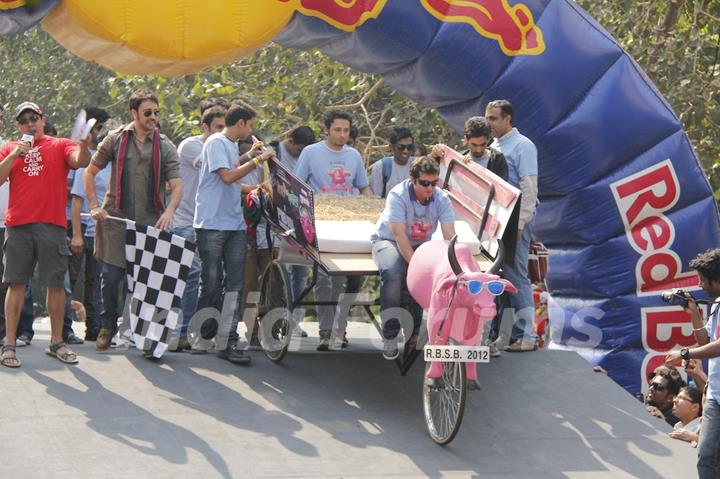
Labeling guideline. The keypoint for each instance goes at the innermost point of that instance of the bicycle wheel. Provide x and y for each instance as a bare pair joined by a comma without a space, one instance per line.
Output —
444,404
274,313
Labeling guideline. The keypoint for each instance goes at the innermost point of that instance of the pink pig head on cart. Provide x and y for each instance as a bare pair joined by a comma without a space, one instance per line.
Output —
447,281
444,278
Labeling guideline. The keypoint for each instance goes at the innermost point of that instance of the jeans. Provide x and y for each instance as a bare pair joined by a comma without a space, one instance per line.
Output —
329,288
708,465
393,290
93,295
222,252
112,279
189,301
517,273
298,276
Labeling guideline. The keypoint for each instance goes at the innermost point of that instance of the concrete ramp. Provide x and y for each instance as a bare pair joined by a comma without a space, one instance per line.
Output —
341,414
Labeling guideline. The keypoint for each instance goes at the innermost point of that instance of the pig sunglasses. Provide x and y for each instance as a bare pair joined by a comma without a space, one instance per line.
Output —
475,286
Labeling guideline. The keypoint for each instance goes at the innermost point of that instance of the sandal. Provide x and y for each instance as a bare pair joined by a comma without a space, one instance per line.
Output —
66,356
9,358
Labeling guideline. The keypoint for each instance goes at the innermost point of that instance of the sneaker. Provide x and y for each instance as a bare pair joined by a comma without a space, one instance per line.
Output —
147,354
104,339
390,349
324,344
338,344
299,332
74,339
494,351
234,356
473,385
434,383
23,340
182,345
521,347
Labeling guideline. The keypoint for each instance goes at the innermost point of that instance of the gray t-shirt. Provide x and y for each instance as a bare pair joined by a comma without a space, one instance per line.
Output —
286,159
332,172
398,174
190,151
483,160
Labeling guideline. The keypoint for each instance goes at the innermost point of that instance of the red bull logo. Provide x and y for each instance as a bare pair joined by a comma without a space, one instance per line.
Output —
343,14
512,27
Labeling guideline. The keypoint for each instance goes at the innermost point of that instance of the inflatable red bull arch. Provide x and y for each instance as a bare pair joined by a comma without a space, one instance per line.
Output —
625,203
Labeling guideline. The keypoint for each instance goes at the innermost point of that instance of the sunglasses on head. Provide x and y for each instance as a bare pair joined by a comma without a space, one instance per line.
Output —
475,286
147,113
29,119
409,147
427,183
657,386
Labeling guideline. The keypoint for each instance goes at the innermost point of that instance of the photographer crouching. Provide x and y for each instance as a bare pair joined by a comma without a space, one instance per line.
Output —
707,334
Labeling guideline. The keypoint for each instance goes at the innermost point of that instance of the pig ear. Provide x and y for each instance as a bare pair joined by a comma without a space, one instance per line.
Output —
509,286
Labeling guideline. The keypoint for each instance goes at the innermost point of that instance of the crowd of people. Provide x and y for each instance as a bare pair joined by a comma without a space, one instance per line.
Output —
204,191
63,202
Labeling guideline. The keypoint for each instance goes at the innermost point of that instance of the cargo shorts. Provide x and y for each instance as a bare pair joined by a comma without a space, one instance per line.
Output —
42,243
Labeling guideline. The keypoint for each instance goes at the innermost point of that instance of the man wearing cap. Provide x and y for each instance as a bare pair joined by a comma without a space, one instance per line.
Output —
142,160
37,167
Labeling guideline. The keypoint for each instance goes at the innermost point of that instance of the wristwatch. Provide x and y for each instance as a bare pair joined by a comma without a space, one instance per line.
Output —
685,354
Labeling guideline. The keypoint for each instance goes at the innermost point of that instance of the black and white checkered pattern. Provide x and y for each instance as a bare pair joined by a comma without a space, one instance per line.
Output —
158,264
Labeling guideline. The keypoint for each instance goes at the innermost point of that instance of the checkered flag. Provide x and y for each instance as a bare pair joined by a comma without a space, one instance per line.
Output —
158,264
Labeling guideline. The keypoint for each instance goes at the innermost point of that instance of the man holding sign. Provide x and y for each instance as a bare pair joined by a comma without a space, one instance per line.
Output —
37,167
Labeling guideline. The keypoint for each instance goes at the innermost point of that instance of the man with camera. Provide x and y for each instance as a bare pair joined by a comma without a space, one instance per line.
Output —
707,265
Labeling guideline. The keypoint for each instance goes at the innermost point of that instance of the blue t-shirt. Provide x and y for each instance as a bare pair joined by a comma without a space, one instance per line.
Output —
712,327
190,152
421,220
520,154
102,179
217,205
331,172
68,206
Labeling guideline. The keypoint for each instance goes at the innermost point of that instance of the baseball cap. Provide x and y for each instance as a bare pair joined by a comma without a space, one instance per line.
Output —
27,105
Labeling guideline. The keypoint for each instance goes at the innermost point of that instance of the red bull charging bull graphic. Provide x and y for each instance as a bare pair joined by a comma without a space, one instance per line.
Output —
512,27
343,14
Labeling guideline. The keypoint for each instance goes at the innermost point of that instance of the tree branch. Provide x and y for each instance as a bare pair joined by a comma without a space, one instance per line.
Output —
362,101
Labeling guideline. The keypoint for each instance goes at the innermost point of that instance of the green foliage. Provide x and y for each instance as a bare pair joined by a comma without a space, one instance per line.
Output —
286,87
676,42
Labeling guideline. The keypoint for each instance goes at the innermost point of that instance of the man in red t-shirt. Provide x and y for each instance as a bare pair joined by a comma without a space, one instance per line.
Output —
37,167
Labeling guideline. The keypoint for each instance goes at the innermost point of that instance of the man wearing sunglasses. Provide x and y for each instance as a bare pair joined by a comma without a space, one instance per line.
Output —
391,170
412,212
664,384
142,161
37,167
707,334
